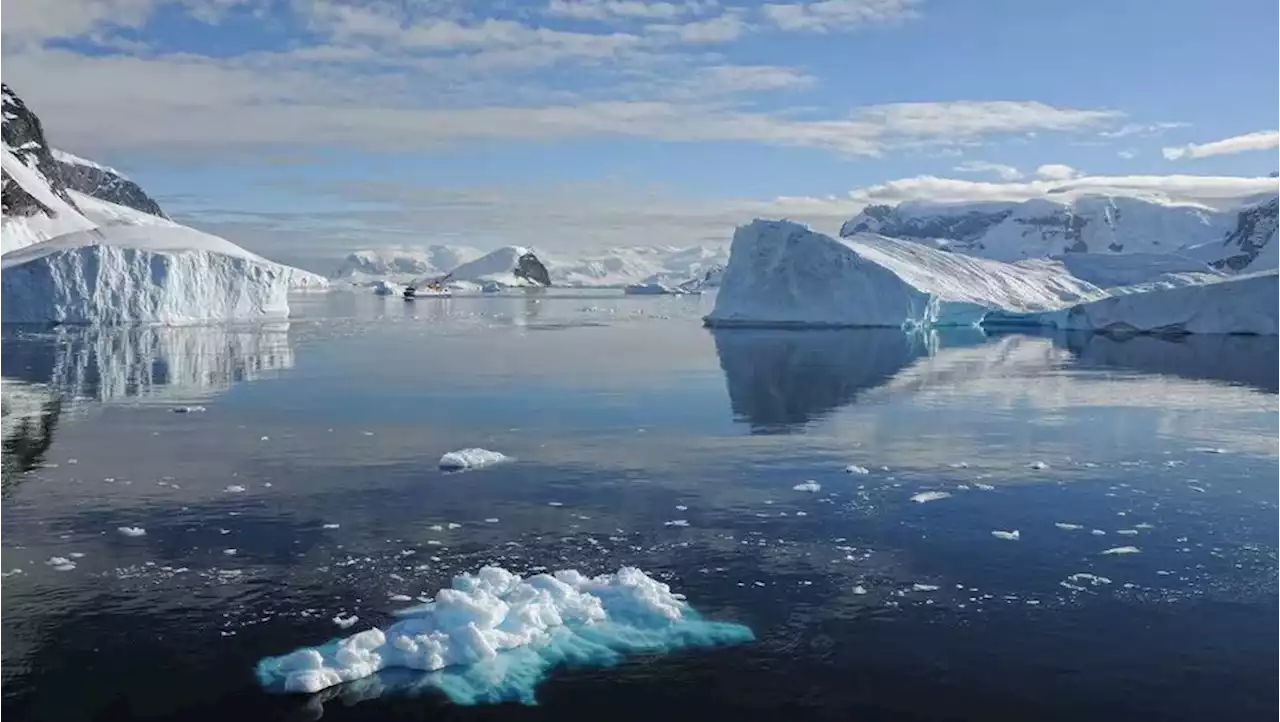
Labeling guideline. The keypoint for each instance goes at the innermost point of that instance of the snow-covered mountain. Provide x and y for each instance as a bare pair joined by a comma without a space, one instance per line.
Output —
617,267
403,264
507,266
99,181
1250,245
1042,227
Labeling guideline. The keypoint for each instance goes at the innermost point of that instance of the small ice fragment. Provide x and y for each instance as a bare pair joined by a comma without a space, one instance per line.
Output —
473,458
959,465
229,552
555,503
265,438
983,487
345,622
1143,525
1097,532
918,587
1085,577
1127,532
491,520
855,469
681,507
400,598
1009,535
676,522
332,526
928,496
1122,550
1038,465
132,531
454,525
76,555
1067,526
234,489
801,513
61,564
859,589
1206,450
810,486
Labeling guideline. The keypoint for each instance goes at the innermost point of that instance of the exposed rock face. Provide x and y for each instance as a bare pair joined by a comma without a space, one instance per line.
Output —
1255,230
529,267
104,183
24,137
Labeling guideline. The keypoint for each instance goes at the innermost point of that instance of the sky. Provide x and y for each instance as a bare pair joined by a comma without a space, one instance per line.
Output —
304,129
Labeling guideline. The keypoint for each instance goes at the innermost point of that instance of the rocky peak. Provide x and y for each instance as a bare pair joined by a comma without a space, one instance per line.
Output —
24,137
530,268
104,183
1255,228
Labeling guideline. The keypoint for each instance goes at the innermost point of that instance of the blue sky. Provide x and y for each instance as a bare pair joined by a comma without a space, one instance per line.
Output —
317,126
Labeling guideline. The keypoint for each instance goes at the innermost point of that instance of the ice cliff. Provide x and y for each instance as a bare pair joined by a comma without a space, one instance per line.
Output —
784,274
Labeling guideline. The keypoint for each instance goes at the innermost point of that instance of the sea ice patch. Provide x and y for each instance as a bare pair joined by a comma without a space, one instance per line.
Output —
1122,550
1007,535
493,635
925,497
472,458
809,486
132,531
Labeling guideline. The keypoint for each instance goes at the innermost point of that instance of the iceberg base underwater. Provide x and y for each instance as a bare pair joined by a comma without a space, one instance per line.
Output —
493,636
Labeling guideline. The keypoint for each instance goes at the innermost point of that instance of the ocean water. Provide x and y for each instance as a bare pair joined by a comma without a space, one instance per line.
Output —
302,483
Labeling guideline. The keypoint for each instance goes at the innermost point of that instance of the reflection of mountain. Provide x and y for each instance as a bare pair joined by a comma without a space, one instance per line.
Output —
1243,360
29,418
113,363
780,379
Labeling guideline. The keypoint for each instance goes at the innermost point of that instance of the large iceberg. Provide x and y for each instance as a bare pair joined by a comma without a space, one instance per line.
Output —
783,274
141,274
493,635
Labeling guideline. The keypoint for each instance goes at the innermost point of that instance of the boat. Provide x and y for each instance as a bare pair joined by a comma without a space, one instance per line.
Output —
433,290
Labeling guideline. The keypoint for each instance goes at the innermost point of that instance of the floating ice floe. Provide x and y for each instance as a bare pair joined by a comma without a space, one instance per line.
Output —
132,531
855,469
1008,535
917,587
1038,465
1067,526
927,496
1086,578
1122,550
676,522
61,564
473,458
810,486
493,635
234,489
345,622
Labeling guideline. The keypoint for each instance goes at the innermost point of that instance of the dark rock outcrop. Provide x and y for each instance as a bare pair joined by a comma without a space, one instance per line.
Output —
24,137
530,268
1255,228
104,183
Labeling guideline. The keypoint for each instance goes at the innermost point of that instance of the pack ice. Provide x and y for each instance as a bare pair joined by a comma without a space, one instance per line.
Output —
782,273
493,635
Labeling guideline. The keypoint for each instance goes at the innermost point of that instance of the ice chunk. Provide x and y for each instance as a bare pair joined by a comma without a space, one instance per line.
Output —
132,531
676,522
141,274
918,587
473,458
1122,550
1038,465
1097,532
983,487
859,590
234,489
61,564
810,486
1127,532
1067,526
345,622
927,496
1086,578
332,526
187,409
492,635
855,469
782,273
1009,535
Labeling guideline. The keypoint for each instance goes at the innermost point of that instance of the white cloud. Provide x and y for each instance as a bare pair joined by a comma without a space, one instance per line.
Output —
1001,171
625,9
1127,153
1140,129
829,15
723,28
970,118
1056,172
1261,140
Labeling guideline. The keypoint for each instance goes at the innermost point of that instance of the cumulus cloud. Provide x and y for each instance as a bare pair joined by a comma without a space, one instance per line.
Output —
1260,140
1056,172
625,9
1001,171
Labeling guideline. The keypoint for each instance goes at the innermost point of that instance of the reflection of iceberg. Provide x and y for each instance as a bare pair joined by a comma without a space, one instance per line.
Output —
779,379
29,417
113,363
1244,360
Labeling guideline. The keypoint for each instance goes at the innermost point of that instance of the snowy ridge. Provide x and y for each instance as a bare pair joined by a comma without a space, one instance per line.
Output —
784,274
403,264
51,214
1040,227
99,181
494,635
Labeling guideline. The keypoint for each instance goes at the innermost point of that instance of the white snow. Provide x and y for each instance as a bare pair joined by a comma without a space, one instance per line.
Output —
810,486
495,634
66,157
927,496
1113,271
782,273
1122,550
1243,304
472,458
132,531
1007,535
494,267
400,265
22,231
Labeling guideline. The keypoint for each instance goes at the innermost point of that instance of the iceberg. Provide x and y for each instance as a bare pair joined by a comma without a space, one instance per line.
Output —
782,274
120,274
471,459
493,635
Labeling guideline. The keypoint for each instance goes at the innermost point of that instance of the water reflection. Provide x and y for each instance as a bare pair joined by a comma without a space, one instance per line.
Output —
109,364
1242,360
30,419
780,380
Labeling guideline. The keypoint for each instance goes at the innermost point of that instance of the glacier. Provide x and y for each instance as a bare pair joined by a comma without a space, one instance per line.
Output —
782,273
493,635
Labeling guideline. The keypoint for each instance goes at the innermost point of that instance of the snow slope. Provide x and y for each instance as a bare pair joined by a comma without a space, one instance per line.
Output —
1251,245
403,264
1244,304
141,274
784,274
494,635
1111,271
495,267
1041,227
55,216
108,184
